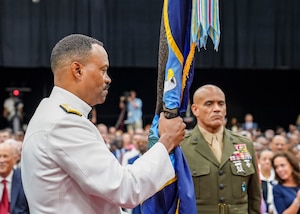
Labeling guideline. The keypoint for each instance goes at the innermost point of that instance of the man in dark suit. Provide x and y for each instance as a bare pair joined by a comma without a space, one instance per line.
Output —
249,124
223,163
17,202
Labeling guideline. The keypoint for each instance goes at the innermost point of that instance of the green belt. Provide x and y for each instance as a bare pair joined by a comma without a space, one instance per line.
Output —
222,208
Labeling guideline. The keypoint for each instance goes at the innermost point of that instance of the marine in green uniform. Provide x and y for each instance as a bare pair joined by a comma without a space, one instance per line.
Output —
223,163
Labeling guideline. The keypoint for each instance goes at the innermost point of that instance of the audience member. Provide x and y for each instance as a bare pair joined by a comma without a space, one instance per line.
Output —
257,147
12,190
5,134
112,133
69,169
222,162
279,143
13,112
103,129
269,134
17,148
246,134
291,130
127,141
112,130
19,135
295,151
279,130
249,123
294,139
134,151
118,149
142,148
263,141
234,125
133,105
286,193
267,177
141,143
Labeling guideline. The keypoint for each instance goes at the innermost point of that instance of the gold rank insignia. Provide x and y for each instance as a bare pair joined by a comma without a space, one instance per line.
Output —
69,109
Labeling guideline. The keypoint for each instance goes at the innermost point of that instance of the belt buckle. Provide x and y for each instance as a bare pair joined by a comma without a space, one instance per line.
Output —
223,208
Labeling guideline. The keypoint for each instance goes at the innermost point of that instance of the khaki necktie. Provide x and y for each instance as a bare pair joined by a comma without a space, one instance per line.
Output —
216,148
4,205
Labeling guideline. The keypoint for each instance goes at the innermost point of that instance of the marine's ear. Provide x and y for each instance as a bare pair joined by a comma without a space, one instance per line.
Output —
195,110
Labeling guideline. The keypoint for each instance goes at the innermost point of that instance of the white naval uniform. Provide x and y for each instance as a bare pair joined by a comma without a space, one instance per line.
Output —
67,167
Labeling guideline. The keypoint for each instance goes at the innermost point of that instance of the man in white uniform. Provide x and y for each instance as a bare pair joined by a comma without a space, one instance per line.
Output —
66,166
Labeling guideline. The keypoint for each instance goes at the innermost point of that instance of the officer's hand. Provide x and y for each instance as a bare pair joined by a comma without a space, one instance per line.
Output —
171,131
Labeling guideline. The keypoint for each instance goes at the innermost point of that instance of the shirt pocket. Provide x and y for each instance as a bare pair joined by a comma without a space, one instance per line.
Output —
241,173
201,177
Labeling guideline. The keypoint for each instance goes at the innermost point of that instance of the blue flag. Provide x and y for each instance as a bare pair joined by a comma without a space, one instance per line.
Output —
177,196
183,28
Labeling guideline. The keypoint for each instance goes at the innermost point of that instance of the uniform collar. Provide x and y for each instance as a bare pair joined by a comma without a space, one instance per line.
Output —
208,136
70,99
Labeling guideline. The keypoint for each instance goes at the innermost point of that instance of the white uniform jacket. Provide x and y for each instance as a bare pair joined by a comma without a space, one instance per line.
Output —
67,168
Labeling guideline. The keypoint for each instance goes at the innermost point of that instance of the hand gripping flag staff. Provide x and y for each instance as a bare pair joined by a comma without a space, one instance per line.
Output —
185,26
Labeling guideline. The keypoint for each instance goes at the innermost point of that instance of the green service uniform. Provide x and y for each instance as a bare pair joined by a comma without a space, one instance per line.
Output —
229,187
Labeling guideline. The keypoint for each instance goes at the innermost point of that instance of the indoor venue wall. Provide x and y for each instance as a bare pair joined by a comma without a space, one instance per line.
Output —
254,33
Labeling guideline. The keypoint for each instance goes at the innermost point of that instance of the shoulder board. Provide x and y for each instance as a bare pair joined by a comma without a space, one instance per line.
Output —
69,109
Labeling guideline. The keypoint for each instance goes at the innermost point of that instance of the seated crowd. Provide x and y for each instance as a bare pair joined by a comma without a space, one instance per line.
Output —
278,154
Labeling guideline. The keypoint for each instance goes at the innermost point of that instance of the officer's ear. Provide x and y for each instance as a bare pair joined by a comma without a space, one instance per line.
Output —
76,68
